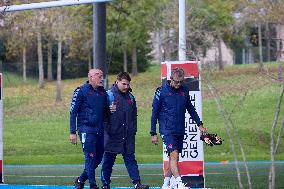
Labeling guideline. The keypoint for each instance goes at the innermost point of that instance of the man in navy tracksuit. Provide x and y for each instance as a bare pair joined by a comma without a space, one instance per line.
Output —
120,132
170,103
89,108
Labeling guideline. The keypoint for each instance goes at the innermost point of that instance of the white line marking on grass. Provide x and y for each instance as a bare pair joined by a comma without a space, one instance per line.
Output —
71,176
38,176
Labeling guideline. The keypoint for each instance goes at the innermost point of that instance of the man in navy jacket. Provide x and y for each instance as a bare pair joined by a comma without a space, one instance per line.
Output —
120,132
88,111
170,103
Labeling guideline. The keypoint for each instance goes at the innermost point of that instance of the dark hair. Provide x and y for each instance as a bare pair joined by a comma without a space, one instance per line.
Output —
123,75
177,71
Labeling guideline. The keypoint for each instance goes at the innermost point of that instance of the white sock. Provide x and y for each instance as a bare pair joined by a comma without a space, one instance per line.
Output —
178,179
167,181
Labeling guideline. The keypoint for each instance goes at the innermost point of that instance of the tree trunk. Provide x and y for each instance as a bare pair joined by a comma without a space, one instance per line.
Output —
49,60
58,83
260,67
160,51
24,63
268,42
280,52
90,60
220,56
134,61
124,60
40,61
280,36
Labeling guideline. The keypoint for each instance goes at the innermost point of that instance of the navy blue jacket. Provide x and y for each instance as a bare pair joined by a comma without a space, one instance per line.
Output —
88,110
121,128
169,107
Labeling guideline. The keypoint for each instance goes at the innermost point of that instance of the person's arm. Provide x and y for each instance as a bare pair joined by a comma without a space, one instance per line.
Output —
135,113
75,105
156,107
192,111
108,109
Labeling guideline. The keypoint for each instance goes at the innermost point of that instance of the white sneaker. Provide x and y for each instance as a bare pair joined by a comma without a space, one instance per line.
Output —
180,185
165,187
173,186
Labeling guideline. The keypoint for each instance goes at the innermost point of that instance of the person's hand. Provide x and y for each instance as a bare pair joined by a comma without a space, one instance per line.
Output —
202,129
154,139
73,138
112,107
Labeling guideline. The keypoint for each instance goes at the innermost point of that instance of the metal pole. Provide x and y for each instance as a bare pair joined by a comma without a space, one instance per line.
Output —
50,4
182,33
99,38
1,127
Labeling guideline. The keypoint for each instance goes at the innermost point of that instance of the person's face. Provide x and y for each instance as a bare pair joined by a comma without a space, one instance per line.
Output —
96,78
176,81
123,85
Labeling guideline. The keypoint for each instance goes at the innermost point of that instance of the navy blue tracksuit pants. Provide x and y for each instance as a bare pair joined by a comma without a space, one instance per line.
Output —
129,161
93,149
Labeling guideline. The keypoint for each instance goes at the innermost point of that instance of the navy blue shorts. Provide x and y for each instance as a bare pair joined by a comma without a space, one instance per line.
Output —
173,142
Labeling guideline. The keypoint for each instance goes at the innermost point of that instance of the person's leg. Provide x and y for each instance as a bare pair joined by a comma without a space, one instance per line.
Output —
171,168
132,168
89,148
167,172
108,161
168,175
173,162
174,147
99,150
80,181
178,145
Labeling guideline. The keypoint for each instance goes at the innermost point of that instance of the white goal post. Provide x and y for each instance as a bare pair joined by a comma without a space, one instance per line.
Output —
41,5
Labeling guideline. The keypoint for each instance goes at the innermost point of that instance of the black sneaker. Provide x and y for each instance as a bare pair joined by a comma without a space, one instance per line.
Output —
105,187
140,186
77,184
94,187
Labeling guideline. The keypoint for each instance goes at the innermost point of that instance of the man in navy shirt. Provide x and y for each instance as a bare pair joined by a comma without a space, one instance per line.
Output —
120,132
170,103
88,111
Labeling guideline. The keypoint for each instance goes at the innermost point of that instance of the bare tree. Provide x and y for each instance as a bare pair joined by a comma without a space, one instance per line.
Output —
40,59
125,60
231,131
260,47
19,35
134,61
49,60
273,146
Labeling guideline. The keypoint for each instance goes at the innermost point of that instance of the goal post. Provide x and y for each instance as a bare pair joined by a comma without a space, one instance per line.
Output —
1,128
42,5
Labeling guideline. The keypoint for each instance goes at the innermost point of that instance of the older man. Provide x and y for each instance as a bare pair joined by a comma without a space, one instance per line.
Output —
89,107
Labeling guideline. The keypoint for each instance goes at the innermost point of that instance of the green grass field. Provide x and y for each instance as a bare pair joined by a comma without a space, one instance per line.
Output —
216,175
36,128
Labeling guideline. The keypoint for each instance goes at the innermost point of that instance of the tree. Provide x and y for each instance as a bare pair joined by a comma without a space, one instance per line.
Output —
19,37
129,26
39,18
81,34
210,20
62,26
